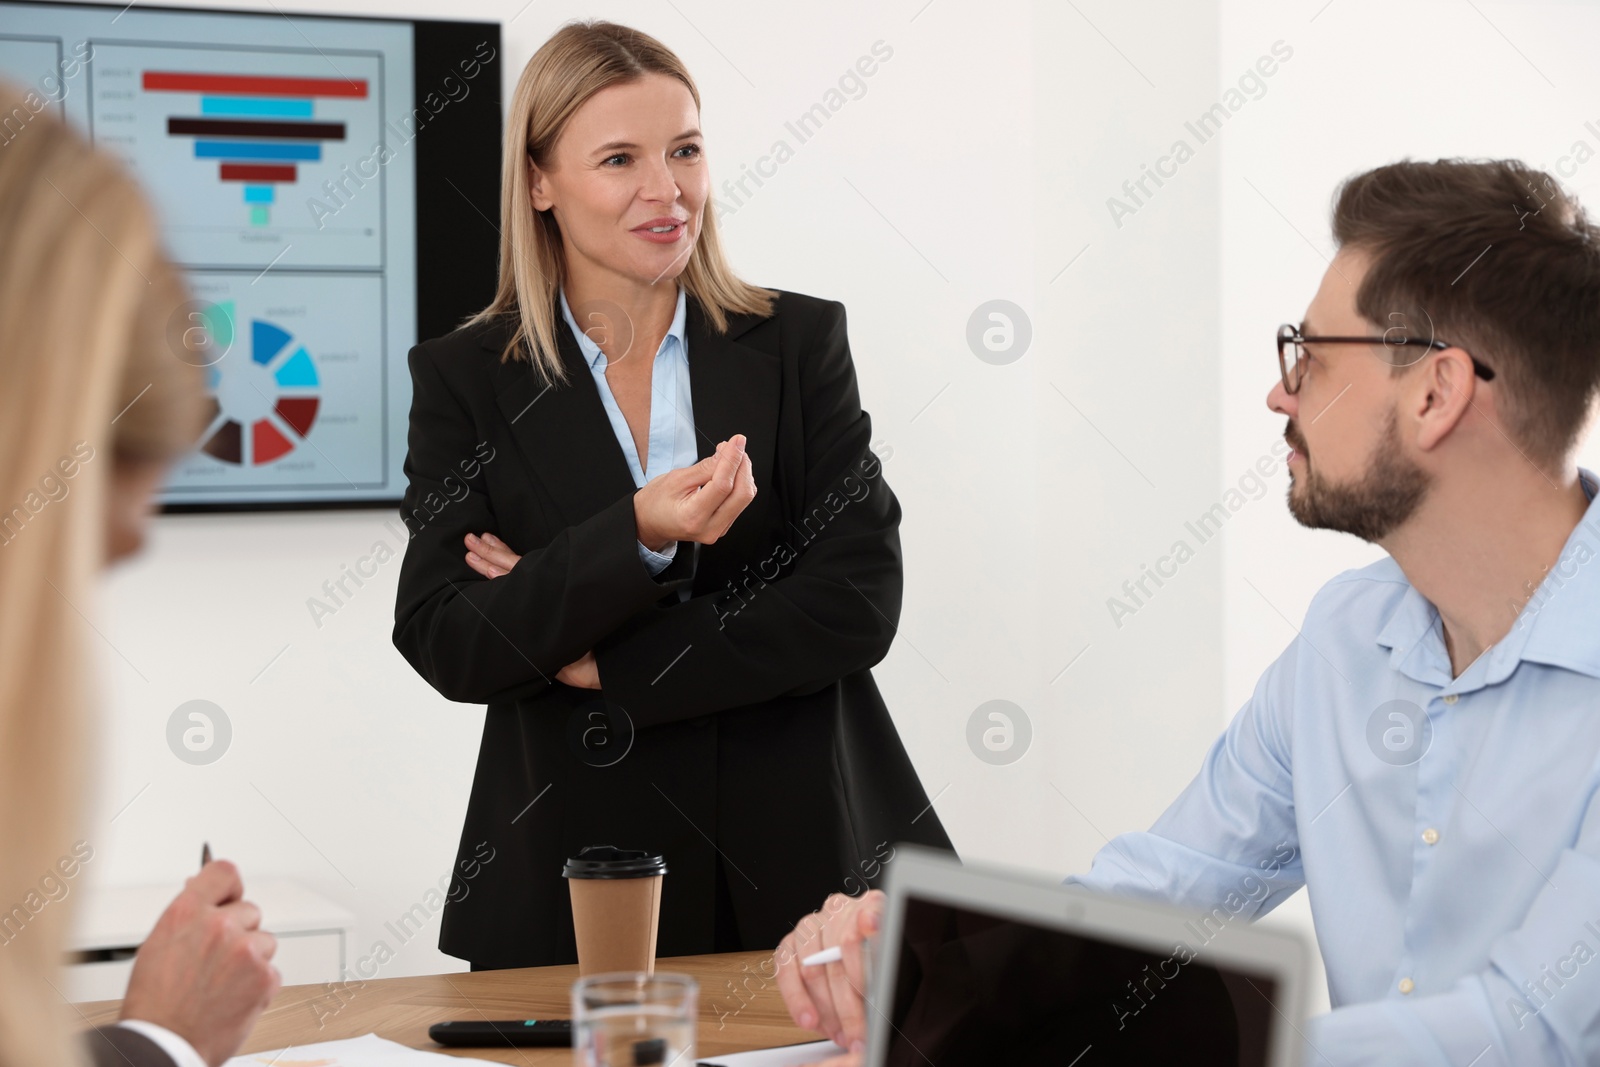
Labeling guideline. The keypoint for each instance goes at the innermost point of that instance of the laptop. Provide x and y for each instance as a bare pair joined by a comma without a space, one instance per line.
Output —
977,965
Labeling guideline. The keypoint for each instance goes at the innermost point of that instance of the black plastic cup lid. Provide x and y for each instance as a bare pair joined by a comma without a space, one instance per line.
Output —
604,861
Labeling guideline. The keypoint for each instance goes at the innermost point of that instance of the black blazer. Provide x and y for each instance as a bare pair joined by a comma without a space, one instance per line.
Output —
117,1046
742,722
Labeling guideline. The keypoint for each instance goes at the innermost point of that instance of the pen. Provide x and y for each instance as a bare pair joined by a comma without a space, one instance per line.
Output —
205,854
836,955
832,955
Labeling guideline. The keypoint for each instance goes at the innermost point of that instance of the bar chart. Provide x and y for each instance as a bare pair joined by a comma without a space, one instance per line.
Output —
268,156
257,127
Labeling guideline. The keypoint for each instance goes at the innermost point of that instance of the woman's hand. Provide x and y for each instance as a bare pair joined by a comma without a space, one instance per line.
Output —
489,556
696,503
830,998
583,673
205,972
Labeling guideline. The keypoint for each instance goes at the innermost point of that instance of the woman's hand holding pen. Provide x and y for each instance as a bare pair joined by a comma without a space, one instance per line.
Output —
205,972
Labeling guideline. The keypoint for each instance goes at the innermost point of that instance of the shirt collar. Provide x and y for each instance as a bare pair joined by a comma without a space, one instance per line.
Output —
1556,626
591,351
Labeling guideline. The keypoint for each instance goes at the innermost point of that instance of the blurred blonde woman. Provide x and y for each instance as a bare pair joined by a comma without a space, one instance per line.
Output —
94,406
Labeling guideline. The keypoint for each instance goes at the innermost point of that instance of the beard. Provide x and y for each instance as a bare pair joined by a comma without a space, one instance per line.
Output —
1371,508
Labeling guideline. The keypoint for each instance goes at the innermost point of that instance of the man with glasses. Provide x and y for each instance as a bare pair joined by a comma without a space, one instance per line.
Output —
1424,757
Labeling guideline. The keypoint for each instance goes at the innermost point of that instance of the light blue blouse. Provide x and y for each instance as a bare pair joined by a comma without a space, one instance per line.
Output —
672,439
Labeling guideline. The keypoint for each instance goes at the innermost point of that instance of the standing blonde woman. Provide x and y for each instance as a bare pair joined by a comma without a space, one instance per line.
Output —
94,406
650,533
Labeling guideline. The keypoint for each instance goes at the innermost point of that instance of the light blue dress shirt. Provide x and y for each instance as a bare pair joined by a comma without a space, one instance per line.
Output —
1447,829
672,440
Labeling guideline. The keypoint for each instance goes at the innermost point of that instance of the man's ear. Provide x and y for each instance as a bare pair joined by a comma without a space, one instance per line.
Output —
1443,396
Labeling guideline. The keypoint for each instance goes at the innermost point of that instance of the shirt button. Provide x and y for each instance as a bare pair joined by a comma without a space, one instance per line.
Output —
1451,698
1431,836
1407,985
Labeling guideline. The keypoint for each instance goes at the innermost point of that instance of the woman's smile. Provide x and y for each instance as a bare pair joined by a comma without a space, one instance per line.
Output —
663,231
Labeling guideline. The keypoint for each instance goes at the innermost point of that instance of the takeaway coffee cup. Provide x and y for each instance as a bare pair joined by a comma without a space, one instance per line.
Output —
616,904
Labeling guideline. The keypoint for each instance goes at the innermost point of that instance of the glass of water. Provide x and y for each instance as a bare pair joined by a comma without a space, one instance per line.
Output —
633,1019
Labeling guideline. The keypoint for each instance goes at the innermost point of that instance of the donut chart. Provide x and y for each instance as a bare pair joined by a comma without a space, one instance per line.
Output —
264,405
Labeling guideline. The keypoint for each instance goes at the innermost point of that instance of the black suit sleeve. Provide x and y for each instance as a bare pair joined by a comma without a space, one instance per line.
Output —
117,1046
475,639
833,613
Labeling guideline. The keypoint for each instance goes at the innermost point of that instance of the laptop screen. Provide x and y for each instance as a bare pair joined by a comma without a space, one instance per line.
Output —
976,988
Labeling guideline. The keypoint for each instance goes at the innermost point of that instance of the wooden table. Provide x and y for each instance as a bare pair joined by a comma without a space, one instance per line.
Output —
740,1008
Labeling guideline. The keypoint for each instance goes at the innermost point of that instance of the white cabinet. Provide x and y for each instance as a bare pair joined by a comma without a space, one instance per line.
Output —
112,921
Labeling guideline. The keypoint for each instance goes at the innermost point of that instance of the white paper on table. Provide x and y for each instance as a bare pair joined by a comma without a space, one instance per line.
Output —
369,1050
782,1056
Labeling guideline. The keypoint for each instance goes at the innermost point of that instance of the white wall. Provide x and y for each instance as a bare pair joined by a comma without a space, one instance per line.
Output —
1124,391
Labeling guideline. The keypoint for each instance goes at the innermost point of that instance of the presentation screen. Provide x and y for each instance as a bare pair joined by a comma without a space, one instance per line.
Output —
328,185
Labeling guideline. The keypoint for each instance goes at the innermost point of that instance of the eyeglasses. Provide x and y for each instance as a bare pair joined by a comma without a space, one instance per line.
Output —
1293,371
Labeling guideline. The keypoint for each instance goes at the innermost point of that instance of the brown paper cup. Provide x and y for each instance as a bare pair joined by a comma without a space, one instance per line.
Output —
616,908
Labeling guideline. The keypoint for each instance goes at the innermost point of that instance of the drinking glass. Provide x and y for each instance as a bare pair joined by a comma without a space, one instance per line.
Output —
633,1019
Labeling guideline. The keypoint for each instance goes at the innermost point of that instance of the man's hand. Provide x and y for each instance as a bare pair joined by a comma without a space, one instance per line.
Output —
205,971
830,998
696,503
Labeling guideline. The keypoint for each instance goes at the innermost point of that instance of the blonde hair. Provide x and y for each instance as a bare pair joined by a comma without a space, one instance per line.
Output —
86,292
578,61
